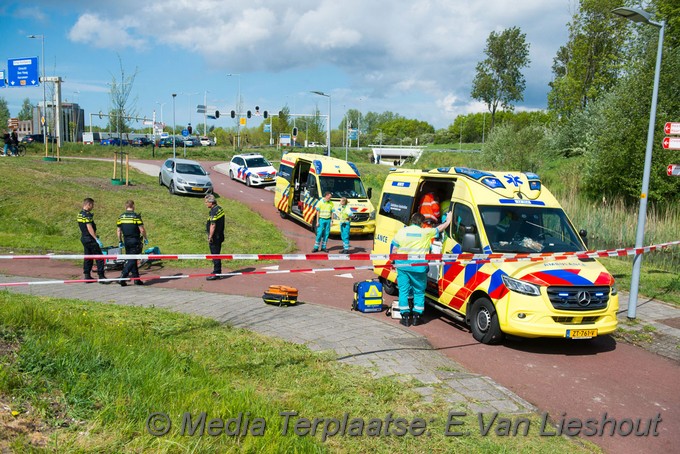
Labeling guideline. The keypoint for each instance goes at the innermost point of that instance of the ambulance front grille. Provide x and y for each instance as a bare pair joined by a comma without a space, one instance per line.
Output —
589,298
575,320
360,217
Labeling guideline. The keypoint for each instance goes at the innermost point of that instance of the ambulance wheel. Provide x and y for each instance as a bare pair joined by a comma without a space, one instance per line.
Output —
283,214
389,287
484,322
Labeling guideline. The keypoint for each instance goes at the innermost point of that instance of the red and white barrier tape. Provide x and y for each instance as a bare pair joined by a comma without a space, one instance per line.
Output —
186,276
463,257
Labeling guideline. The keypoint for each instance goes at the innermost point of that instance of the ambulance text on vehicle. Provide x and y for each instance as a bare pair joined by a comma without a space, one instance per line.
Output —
303,179
501,212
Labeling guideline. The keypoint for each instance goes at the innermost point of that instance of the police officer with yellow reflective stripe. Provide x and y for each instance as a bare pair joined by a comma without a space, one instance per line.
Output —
215,229
91,243
324,212
412,280
130,230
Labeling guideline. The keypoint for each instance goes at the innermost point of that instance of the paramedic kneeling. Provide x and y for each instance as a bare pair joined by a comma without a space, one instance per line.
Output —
412,280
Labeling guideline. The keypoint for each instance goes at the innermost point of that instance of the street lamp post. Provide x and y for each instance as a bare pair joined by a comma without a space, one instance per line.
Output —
174,151
638,15
43,111
238,110
328,135
161,104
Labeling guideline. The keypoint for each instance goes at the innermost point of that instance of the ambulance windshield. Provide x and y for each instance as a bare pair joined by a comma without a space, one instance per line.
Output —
349,187
529,229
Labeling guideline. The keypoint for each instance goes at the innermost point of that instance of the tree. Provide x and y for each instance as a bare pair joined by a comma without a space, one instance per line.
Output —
499,80
121,106
26,112
4,114
588,65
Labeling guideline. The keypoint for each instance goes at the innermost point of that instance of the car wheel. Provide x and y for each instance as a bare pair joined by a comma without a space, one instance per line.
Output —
160,179
248,183
389,287
231,174
283,214
484,322
171,188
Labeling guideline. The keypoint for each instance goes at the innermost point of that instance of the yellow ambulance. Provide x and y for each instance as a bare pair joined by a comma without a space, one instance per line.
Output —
508,213
303,179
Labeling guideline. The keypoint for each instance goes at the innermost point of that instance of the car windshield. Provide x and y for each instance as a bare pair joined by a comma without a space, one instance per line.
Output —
257,162
190,169
529,229
349,187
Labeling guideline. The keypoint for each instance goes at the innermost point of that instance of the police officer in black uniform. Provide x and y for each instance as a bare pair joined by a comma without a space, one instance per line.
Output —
91,243
131,231
215,229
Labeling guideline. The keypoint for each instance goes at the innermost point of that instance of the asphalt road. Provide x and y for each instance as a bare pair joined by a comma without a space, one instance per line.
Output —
599,378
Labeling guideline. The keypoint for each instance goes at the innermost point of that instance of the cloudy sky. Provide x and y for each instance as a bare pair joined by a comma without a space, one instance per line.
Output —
416,58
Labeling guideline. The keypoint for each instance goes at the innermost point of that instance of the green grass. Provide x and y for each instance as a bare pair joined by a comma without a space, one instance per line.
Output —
40,201
90,374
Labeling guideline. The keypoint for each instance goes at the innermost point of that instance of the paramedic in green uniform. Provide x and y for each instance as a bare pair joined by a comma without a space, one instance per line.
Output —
91,243
344,213
414,239
324,211
130,230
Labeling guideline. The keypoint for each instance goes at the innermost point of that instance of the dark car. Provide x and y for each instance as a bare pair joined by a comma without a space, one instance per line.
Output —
142,142
117,141
167,142
36,138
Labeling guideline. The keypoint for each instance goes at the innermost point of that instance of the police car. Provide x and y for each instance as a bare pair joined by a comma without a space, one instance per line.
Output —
252,169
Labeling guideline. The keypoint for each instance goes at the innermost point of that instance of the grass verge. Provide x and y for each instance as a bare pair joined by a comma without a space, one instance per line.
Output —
85,377
40,201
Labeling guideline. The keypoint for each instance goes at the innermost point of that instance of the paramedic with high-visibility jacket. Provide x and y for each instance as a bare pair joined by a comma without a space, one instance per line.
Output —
324,212
412,280
344,213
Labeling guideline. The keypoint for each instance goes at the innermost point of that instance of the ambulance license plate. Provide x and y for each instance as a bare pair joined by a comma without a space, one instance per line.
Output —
581,333
359,230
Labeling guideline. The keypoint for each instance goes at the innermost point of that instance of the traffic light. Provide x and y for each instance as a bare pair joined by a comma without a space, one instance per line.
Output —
295,131
248,114
265,114
189,129
257,110
217,114
233,114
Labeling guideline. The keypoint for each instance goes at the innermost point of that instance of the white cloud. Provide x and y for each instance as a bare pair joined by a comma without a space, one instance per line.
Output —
102,33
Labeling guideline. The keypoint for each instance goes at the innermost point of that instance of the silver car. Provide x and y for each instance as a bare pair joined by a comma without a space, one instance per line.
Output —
183,176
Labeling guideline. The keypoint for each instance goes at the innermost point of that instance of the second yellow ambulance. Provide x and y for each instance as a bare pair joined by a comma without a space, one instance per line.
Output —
304,178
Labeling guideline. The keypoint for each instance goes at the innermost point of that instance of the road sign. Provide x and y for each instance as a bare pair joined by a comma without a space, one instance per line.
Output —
242,120
23,72
200,108
2,78
674,170
671,143
672,128
185,132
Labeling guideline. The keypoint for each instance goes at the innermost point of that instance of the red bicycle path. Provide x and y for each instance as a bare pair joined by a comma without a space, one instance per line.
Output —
599,378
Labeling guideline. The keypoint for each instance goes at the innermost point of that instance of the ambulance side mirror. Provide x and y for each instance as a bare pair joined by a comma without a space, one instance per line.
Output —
584,236
369,192
469,236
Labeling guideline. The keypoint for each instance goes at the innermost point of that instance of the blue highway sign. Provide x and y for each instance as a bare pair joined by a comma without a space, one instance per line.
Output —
23,72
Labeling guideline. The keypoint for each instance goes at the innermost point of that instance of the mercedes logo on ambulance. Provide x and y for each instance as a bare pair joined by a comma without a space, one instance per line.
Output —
583,298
